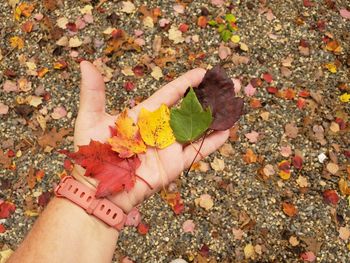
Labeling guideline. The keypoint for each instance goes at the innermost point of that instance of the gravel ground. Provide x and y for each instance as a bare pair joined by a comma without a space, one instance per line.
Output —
244,196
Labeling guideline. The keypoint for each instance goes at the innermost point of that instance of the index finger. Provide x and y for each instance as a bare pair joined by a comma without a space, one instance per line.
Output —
171,92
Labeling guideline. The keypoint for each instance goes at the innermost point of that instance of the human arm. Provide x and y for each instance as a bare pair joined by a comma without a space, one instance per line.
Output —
64,232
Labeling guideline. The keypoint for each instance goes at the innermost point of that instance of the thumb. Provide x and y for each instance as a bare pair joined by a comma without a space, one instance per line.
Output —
92,90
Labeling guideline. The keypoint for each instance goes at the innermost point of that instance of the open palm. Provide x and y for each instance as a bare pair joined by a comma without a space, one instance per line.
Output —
158,167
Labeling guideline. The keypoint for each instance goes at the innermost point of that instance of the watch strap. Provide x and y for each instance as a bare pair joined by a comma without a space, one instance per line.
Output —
84,197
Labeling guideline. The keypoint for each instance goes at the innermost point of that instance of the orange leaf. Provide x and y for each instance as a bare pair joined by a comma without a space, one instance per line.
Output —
202,21
127,140
255,103
24,9
250,156
61,64
288,94
334,46
16,42
289,209
42,72
27,27
344,187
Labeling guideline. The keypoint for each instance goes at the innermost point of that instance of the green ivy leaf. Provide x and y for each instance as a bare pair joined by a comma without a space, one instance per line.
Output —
190,121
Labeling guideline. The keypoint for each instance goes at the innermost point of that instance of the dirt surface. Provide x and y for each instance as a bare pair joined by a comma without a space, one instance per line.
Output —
278,189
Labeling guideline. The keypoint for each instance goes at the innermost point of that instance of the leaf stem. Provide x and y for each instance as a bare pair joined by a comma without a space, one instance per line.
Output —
143,180
198,152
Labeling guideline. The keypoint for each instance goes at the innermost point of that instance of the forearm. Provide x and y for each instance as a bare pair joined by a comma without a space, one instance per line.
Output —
65,233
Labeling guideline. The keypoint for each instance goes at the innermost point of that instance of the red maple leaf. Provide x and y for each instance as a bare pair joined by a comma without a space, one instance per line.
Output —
6,208
113,173
298,162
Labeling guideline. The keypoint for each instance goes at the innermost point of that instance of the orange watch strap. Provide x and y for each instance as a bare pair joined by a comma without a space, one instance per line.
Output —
84,197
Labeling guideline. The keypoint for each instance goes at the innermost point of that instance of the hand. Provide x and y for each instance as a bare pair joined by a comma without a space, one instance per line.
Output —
158,167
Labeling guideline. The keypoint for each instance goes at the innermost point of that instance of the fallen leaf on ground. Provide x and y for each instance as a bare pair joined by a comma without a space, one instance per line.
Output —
188,226
205,201
226,150
113,173
289,209
291,130
308,256
174,200
155,127
143,228
302,181
17,42
6,209
333,168
252,136
126,139
53,137
249,251
330,197
250,156
217,164
4,109
344,233
237,233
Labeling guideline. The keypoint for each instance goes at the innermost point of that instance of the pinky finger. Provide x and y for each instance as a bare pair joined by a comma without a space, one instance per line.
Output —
211,144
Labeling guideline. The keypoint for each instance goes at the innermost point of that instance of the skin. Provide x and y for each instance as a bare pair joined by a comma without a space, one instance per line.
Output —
64,232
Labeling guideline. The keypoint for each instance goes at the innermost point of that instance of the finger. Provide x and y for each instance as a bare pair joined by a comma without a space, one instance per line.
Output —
173,91
210,144
92,90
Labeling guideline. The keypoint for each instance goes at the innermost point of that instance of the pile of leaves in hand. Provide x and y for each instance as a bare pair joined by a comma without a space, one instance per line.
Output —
211,106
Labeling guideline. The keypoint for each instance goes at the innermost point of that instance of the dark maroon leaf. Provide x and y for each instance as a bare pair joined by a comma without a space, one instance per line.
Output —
217,92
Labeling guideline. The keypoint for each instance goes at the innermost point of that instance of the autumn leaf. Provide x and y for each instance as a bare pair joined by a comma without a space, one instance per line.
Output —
6,209
174,200
113,173
216,91
16,42
155,127
23,9
289,209
53,137
143,228
127,140
189,121
330,197
250,156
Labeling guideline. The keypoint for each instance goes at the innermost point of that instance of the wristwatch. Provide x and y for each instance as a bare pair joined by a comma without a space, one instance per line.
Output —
84,197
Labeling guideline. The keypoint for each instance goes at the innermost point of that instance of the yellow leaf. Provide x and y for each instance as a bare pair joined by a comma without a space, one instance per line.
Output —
127,140
331,67
284,175
344,187
345,97
155,127
249,251
42,72
16,42
235,39
24,9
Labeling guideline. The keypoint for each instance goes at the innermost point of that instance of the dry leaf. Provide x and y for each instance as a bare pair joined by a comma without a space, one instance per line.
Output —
249,251
53,137
205,201
226,150
217,164
250,156
344,233
289,209
333,168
